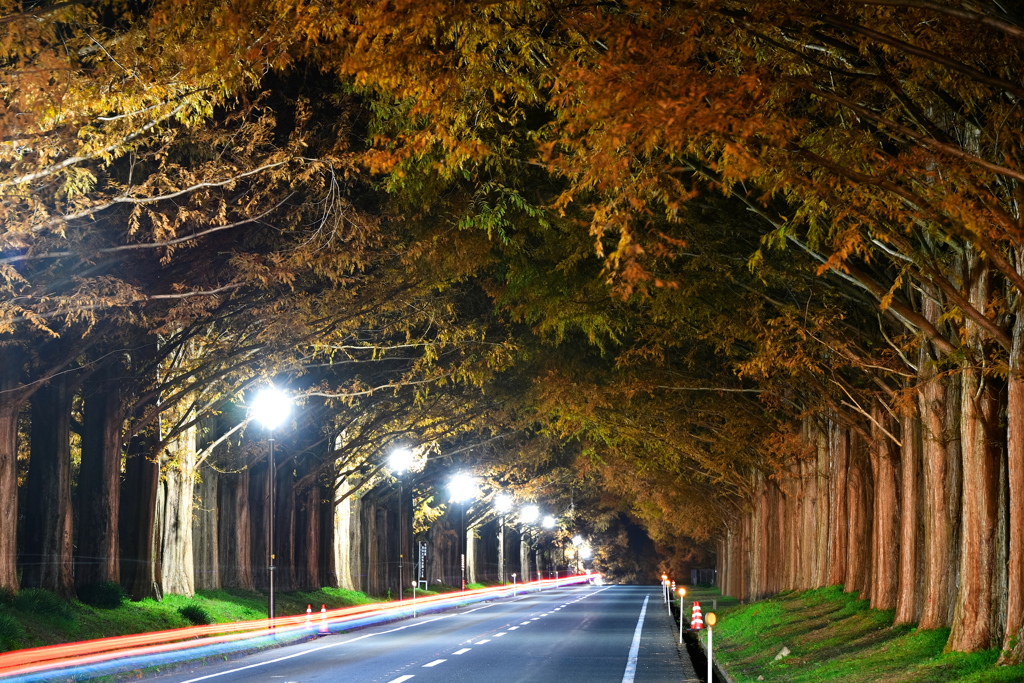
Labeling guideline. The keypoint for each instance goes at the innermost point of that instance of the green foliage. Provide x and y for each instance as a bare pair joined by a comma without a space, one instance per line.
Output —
44,603
11,632
107,595
196,614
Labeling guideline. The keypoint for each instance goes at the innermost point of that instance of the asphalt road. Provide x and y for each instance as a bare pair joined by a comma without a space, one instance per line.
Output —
597,634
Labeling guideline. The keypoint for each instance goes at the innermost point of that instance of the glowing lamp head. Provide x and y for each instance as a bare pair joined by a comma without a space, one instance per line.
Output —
503,503
461,488
529,514
682,592
664,577
711,619
548,522
586,552
271,407
401,460
577,540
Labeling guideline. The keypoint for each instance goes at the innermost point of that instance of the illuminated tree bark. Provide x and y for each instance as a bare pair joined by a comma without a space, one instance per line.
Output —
97,557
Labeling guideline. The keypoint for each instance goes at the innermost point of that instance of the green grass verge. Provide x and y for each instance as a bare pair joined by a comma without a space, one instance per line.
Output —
34,618
834,636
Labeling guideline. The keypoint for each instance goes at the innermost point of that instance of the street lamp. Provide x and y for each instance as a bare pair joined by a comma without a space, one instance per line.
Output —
461,488
502,503
548,523
271,408
401,460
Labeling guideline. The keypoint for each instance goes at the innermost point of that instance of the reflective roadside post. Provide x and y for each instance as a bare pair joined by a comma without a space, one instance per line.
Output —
513,583
682,594
414,598
664,588
710,621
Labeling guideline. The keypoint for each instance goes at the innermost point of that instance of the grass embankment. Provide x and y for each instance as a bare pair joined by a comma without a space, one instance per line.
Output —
832,636
36,617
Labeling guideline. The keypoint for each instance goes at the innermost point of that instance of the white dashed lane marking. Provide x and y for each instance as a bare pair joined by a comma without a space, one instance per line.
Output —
499,635
401,678
434,663
462,651
512,628
481,642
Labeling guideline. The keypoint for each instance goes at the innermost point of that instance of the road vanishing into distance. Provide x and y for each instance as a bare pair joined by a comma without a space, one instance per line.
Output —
593,634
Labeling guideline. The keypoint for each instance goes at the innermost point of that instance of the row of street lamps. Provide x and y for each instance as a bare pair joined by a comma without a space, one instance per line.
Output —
271,407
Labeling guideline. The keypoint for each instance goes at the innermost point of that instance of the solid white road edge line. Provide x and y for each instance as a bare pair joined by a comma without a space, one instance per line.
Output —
634,649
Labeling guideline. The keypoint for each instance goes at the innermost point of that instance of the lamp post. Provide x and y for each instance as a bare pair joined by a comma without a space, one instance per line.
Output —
400,462
271,408
461,488
502,503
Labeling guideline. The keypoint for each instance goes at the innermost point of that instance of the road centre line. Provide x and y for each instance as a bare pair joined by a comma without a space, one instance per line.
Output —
499,635
352,640
512,628
316,649
402,678
434,663
481,642
462,651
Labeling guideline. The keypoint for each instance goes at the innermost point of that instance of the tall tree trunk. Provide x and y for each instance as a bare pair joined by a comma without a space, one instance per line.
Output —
48,514
858,512
259,523
234,545
941,504
206,529
908,599
885,526
284,527
177,495
1013,643
839,446
328,564
140,561
99,480
971,628
11,401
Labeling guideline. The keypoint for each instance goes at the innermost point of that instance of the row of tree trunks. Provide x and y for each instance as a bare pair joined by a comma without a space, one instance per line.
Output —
882,504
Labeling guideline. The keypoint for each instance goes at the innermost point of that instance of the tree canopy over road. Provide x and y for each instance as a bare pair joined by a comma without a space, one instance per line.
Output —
758,261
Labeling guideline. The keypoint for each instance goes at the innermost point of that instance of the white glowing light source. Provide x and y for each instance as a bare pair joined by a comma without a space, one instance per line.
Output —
529,514
586,552
503,503
401,460
462,487
577,540
271,407
548,522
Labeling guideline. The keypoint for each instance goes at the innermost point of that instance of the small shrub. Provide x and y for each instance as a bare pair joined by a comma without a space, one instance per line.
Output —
196,614
43,603
110,595
10,631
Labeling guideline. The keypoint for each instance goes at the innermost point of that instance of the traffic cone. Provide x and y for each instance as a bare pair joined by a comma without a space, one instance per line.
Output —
323,619
697,621
309,616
